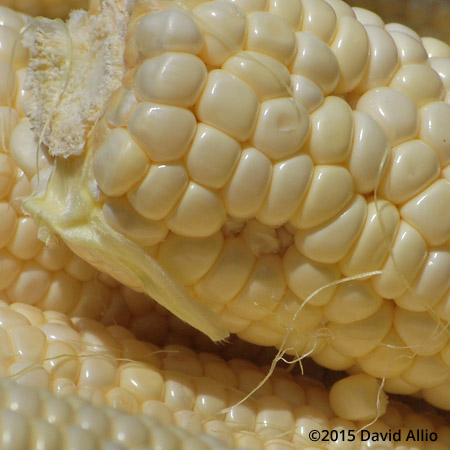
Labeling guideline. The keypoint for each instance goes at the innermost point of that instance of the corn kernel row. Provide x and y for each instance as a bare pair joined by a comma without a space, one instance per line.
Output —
176,386
35,419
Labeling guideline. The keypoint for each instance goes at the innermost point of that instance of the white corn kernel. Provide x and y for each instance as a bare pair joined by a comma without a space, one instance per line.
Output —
163,131
319,19
169,30
212,156
228,104
271,35
281,128
118,163
315,61
171,78
323,200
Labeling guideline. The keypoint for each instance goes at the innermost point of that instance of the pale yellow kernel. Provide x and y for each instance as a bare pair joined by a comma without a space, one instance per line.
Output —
28,343
11,18
329,243
282,318
408,253
199,213
228,274
61,361
8,224
419,331
331,132
307,419
123,400
282,127
250,5
228,104
218,19
305,276
29,374
359,338
179,393
269,34
306,92
260,333
368,149
274,418
353,301
420,82
25,243
244,194
145,384
333,359
123,218
7,175
169,30
371,250
390,359
62,294
60,332
367,17
12,49
432,202
163,131
436,48
120,107
324,200
21,189
442,67
394,111
403,29
19,431
212,156
210,397
94,420
315,61
188,259
383,59
171,78
268,77
79,269
157,194
319,19
53,256
118,163
288,186
410,50
30,285
427,372
413,166
434,130
97,373
33,314
356,398
9,86
290,10
263,290
233,323
431,283
351,48
10,267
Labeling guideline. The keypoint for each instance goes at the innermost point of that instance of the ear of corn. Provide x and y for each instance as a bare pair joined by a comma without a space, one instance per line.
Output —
297,200
107,366
362,388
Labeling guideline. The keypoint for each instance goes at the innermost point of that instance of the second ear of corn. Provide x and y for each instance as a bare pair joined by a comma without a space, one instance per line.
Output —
233,174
